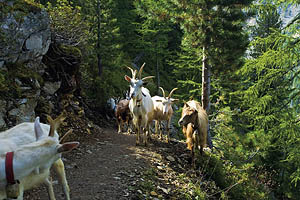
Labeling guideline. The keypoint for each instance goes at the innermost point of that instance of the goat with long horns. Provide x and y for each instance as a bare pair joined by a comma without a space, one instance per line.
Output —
141,104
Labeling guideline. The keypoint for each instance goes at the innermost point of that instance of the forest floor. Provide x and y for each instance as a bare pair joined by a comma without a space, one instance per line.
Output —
109,166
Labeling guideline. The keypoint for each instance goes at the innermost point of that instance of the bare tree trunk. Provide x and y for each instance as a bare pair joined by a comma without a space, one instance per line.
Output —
100,68
205,82
206,71
157,73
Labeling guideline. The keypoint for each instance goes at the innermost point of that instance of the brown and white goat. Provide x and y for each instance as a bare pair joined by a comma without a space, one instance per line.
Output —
123,115
25,133
141,104
195,123
32,161
163,111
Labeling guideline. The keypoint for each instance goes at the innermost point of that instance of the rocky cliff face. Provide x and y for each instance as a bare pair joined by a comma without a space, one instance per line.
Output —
26,83
25,32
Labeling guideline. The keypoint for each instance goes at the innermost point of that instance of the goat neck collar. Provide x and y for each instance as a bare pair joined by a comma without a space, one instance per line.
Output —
9,171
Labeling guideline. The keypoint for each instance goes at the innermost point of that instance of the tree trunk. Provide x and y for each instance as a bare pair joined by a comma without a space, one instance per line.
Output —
205,82
98,38
157,73
206,71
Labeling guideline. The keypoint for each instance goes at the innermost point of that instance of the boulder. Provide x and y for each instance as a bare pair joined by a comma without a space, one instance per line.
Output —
24,112
2,114
24,32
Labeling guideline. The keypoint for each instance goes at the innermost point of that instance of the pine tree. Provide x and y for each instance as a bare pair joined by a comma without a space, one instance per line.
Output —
158,40
215,29
271,124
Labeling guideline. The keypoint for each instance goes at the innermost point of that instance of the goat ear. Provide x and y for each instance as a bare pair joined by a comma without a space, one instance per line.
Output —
145,83
38,129
127,78
66,147
174,100
185,104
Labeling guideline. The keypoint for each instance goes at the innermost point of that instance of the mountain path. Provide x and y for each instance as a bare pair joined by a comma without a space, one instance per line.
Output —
109,166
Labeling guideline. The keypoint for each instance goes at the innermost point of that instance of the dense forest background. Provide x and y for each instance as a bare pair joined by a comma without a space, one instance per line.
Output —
246,74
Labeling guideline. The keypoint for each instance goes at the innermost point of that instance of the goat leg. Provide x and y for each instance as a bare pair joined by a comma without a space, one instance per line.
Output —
137,142
119,124
50,190
168,130
145,137
129,130
156,127
160,131
20,197
148,131
60,171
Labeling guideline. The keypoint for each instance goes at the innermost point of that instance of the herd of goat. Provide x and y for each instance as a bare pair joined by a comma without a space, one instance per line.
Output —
29,150
141,109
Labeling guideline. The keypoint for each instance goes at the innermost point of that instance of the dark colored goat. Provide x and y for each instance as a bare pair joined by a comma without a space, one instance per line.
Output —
123,115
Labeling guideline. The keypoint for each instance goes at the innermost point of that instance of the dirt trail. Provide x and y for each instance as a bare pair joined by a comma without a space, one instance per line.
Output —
96,169
108,166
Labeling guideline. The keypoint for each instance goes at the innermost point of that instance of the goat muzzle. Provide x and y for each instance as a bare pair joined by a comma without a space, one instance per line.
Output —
13,190
180,122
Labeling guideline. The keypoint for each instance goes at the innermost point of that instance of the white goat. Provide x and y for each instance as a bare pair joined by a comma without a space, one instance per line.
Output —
32,162
163,111
24,133
140,105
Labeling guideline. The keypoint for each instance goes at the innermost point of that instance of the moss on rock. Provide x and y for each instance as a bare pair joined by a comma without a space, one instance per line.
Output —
9,87
24,6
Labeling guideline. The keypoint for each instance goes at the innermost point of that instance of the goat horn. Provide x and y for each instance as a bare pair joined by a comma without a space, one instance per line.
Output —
147,77
65,136
54,124
163,92
133,72
141,70
172,92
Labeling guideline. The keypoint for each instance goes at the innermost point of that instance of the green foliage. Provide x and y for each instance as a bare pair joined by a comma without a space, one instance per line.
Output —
3,84
67,23
8,85
269,122
99,89
70,50
158,40
188,73
24,6
235,181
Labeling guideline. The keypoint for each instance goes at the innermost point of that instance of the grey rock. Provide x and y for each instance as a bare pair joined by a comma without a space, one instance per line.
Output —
22,101
24,112
51,87
24,39
1,64
2,114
